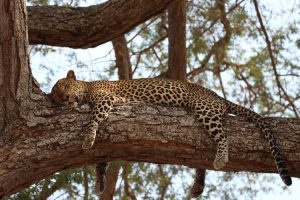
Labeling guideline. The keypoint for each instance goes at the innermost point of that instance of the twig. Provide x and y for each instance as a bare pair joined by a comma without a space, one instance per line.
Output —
222,43
127,187
273,62
166,182
146,49
85,183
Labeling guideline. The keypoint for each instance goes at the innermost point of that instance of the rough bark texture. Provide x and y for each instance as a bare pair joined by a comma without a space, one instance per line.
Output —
122,58
15,76
52,142
177,40
11,40
111,179
84,27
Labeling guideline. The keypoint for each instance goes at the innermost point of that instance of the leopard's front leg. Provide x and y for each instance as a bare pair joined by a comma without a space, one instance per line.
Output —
101,106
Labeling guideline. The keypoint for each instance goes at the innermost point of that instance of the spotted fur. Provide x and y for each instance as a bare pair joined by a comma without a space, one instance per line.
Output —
206,105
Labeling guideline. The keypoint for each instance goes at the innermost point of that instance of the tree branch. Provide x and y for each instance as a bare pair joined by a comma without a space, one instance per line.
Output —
165,182
85,27
85,184
122,58
273,62
47,192
219,49
136,132
177,40
111,179
128,191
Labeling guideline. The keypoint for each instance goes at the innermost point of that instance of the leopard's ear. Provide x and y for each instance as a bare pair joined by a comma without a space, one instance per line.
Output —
71,75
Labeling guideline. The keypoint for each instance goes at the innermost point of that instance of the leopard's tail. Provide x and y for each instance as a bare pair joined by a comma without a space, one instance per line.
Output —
100,177
199,183
264,126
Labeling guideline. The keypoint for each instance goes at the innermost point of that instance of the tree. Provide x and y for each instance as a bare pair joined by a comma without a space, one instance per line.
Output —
38,139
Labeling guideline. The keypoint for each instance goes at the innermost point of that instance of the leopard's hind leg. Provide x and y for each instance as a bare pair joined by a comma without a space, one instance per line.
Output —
210,115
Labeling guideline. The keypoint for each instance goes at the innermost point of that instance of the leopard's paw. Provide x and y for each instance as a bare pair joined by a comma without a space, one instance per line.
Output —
220,162
87,145
88,142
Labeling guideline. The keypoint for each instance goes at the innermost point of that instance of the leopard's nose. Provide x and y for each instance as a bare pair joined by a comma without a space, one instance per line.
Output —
66,97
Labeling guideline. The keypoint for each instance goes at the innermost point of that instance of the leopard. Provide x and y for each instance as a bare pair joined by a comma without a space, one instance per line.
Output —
207,107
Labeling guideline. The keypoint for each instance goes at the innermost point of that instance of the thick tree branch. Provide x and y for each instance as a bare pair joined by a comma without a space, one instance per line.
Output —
177,40
122,58
136,132
85,27
111,179
128,191
13,80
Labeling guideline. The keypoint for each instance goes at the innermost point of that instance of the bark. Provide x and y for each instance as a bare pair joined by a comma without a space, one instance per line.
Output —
177,40
12,51
85,184
127,188
111,179
136,132
16,83
85,27
122,58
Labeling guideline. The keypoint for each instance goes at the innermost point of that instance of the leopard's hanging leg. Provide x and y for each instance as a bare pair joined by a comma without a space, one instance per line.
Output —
101,106
210,115
216,132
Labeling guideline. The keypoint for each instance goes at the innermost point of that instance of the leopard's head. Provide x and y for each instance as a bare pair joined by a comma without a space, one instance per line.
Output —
68,91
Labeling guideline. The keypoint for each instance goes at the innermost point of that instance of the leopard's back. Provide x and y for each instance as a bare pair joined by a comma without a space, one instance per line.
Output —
156,90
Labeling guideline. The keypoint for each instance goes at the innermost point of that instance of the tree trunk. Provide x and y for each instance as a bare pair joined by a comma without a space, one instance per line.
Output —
85,27
15,76
111,178
177,40
122,58
13,53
